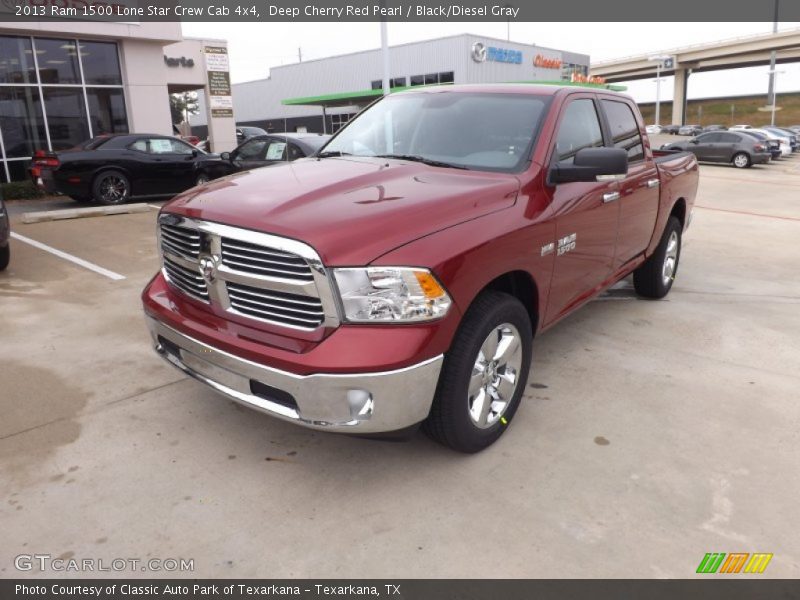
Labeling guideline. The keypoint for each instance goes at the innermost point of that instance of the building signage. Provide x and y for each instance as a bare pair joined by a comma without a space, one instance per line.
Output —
481,53
581,78
219,81
179,62
544,62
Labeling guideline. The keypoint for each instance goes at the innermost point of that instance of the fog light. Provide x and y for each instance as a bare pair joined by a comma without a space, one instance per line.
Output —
361,404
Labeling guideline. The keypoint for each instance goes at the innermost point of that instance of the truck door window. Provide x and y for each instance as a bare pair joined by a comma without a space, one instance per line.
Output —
624,129
579,128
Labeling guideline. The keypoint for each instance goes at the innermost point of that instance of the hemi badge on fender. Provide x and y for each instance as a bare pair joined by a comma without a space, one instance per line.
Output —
548,248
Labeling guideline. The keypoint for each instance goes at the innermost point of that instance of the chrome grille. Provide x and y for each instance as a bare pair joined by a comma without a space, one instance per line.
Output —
291,309
252,258
188,281
249,274
180,240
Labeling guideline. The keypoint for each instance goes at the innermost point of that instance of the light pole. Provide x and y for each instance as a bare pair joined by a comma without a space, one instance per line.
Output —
772,58
659,60
773,84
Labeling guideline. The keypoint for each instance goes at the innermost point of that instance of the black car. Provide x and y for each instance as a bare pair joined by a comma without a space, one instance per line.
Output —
264,150
670,129
115,168
5,234
725,146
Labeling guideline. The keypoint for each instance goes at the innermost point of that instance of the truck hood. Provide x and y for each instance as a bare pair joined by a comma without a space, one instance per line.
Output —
350,209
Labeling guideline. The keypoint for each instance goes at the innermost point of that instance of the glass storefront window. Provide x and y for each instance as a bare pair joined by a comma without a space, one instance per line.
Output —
16,60
100,63
58,61
66,117
107,110
21,121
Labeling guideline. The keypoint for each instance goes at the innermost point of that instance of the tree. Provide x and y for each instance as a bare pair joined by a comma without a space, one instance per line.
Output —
182,105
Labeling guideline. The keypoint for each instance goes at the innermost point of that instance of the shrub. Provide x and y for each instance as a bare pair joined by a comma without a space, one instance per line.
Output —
20,190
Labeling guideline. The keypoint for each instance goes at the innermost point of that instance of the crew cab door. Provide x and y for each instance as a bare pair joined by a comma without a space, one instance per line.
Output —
639,190
586,214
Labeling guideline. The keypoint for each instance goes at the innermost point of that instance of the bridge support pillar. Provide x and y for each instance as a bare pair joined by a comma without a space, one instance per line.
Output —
679,96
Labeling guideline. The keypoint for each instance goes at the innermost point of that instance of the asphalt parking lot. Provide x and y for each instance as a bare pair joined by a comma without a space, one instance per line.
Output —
651,432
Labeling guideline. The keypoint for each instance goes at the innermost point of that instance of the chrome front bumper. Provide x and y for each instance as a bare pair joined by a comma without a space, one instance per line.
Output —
349,403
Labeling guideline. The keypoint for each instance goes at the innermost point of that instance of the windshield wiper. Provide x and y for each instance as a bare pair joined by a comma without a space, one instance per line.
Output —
331,153
423,160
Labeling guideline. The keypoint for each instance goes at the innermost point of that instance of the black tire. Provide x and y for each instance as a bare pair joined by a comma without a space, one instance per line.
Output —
111,187
449,421
202,178
742,163
5,256
654,278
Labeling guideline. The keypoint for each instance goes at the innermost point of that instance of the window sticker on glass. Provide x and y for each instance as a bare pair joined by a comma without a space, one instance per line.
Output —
275,151
160,146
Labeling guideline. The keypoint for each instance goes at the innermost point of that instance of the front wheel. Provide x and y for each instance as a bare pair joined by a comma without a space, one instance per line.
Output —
484,374
201,179
655,277
741,160
111,187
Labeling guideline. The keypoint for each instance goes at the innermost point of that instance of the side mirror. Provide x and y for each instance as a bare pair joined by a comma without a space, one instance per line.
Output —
225,156
591,164
693,141
195,153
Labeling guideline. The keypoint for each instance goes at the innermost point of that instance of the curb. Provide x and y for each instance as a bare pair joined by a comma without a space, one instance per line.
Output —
78,213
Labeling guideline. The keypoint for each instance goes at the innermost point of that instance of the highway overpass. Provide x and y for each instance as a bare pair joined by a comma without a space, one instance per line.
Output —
726,54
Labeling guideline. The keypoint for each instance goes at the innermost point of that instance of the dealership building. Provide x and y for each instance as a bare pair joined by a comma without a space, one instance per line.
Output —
321,95
62,82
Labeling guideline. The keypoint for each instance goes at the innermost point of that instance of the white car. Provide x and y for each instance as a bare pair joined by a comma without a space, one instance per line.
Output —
653,129
739,127
786,143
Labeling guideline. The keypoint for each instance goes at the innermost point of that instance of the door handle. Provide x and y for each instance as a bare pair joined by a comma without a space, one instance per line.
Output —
651,183
610,197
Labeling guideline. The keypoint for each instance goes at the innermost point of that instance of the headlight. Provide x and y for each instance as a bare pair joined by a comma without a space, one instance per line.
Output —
382,294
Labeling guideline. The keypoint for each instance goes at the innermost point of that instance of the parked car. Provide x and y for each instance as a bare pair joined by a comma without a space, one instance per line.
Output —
785,142
401,275
670,129
736,148
690,130
5,234
772,144
113,169
714,128
245,132
653,129
787,133
739,127
263,150
795,128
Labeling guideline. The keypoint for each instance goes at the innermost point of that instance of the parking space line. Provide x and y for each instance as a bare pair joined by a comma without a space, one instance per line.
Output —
74,259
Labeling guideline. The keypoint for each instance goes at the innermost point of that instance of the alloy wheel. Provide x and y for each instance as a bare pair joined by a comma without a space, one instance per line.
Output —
670,259
494,376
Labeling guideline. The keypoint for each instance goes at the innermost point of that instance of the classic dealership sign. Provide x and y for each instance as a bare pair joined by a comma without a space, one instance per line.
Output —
544,62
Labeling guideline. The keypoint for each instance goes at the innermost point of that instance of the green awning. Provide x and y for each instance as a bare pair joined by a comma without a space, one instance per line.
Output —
366,96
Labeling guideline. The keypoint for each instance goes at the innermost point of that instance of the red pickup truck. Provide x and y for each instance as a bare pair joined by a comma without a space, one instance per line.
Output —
400,276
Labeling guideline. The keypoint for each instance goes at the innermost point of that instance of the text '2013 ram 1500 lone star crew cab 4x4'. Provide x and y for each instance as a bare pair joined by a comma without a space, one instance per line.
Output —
400,276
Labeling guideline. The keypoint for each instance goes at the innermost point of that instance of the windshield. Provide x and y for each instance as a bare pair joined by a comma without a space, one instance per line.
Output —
482,131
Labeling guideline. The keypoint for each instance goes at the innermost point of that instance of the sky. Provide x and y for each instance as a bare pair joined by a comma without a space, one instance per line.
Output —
256,47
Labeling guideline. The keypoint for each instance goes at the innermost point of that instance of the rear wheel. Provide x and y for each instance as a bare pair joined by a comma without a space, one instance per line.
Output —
111,187
484,374
741,160
5,256
201,179
655,277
